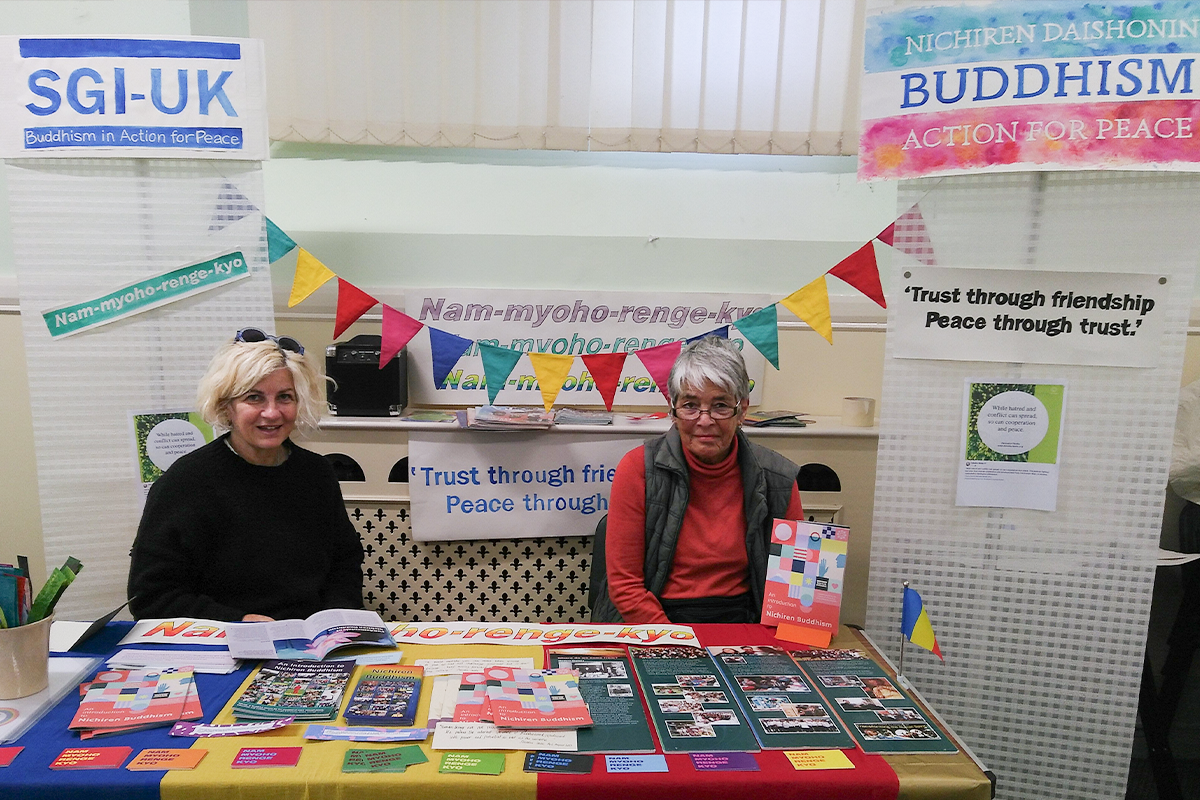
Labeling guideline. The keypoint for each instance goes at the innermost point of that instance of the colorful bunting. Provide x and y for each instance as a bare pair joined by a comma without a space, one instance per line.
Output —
232,206
606,372
811,304
279,244
447,350
888,235
498,363
658,361
398,329
352,303
914,238
310,276
762,330
721,333
551,371
860,270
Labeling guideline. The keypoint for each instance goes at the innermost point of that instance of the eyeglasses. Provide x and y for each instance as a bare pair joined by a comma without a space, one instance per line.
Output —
253,335
716,411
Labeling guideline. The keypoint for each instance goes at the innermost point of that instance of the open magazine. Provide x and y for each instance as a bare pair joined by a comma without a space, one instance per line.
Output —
311,638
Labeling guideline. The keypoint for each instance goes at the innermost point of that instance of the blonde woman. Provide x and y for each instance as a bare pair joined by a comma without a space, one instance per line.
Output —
250,527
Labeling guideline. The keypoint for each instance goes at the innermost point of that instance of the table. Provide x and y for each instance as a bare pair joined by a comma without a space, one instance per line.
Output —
318,775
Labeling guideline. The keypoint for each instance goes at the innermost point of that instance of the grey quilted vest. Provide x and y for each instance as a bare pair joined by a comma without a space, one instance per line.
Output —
767,480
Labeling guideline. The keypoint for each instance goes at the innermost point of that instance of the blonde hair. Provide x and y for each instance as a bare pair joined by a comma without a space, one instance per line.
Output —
238,367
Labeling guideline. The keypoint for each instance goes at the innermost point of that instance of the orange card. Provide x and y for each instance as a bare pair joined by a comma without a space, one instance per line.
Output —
166,758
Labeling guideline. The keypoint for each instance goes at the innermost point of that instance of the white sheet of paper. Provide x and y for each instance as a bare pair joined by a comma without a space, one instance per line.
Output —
486,736
217,662
457,666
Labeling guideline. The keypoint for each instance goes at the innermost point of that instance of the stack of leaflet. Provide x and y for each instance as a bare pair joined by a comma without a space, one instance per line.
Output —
306,690
123,700
776,419
581,416
508,418
517,698
385,696
217,662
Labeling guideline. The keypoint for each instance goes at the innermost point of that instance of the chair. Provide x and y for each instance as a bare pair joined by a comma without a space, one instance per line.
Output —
598,573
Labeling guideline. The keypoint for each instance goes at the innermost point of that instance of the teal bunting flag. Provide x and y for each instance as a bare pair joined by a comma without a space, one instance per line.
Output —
447,350
762,330
279,244
498,363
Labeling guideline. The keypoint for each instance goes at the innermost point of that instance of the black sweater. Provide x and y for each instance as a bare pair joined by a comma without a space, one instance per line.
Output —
221,537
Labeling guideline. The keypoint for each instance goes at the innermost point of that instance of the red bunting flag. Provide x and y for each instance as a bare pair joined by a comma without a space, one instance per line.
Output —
398,329
352,303
888,235
606,372
860,271
658,361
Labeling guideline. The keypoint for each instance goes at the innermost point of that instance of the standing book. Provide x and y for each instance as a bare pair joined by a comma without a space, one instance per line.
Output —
608,686
385,696
803,590
305,690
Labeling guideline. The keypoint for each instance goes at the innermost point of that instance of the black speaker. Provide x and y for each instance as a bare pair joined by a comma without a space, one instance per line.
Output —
362,388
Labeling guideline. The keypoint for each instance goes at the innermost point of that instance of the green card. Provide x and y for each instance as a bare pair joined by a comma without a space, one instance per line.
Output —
392,760
473,763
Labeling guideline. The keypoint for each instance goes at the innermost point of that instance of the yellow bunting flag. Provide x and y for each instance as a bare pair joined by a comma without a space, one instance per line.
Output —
311,275
551,371
811,304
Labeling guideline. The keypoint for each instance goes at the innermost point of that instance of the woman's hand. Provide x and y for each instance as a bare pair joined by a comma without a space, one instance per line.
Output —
257,618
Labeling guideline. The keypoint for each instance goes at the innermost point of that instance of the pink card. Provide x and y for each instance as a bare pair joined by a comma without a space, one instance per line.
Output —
7,754
249,757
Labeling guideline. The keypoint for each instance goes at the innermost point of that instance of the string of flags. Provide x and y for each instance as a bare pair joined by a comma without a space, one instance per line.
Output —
810,303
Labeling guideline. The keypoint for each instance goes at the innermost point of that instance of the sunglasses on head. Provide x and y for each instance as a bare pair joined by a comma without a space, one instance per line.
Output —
252,335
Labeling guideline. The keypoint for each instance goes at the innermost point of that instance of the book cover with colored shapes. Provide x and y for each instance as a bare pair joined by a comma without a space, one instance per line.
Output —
880,715
690,701
803,590
471,703
91,758
784,710
305,690
253,757
609,687
385,696
541,698
161,758
121,700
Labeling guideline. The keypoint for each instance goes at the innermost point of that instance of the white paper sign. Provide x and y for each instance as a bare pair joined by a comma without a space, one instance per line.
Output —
486,736
1105,319
1011,444
184,97
566,323
476,485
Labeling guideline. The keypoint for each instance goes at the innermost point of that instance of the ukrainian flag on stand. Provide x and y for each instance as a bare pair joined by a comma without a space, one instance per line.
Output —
915,624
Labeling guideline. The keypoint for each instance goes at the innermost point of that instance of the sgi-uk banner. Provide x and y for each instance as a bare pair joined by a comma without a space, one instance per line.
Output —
951,89
511,485
160,98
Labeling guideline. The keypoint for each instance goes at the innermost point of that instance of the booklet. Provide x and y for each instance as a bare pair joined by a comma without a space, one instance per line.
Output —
784,710
803,590
123,700
385,696
305,690
608,686
312,638
539,699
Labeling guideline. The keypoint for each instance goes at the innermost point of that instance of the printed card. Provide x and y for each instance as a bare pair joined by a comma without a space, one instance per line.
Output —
91,758
166,758
725,762
251,757
7,754
559,762
819,759
473,763
650,763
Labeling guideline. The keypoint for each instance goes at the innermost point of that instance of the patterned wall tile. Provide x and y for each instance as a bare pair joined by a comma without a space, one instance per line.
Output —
484,580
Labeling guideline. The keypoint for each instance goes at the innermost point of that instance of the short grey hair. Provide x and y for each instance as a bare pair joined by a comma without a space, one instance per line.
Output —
709,360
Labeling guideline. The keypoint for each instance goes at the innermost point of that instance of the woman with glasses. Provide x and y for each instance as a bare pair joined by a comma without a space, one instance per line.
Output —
249,527
690,513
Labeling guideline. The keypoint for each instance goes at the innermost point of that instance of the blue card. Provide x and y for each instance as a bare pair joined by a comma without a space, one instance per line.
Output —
741,762
654,763
559,762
